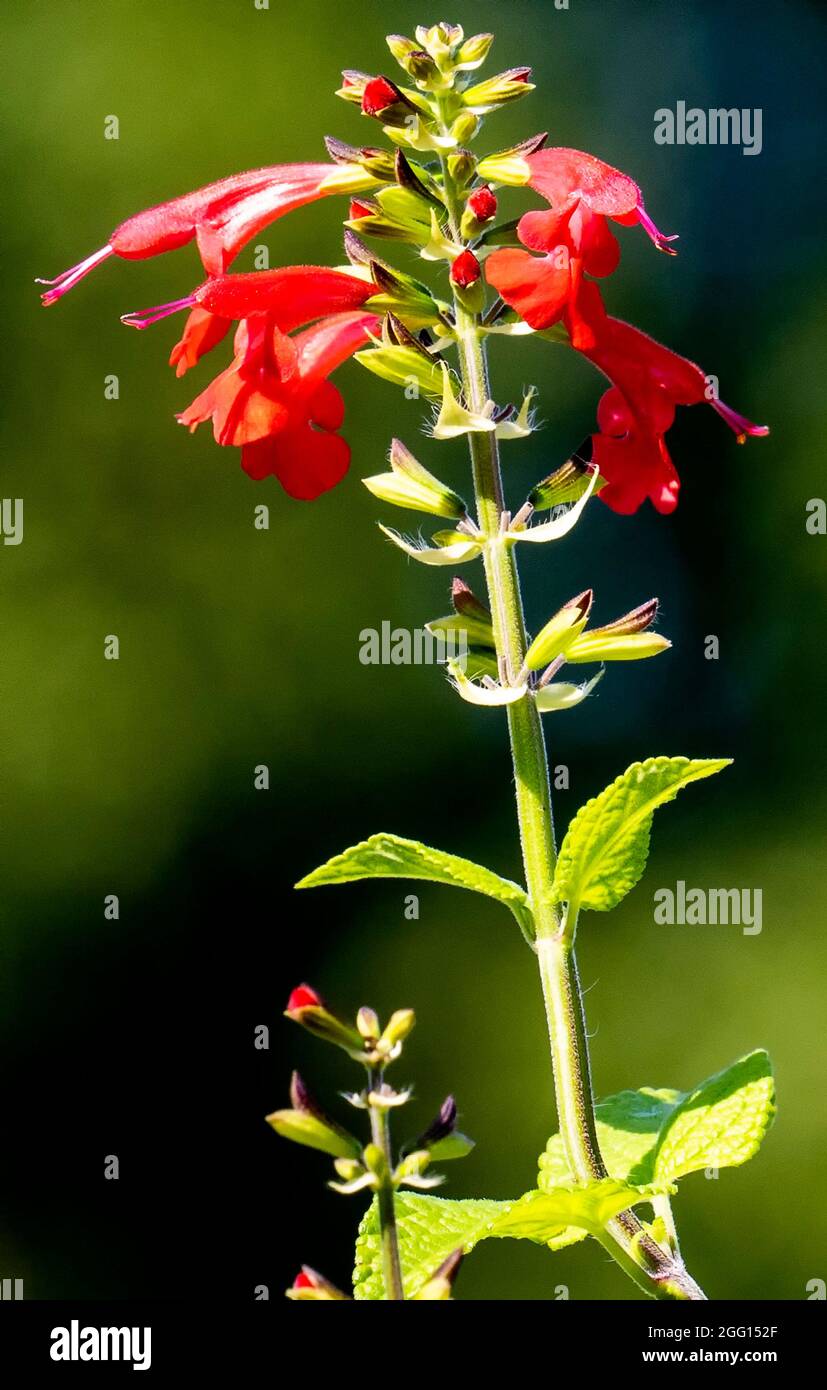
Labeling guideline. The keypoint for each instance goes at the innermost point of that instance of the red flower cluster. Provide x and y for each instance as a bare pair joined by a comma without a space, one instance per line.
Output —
274,401
575,240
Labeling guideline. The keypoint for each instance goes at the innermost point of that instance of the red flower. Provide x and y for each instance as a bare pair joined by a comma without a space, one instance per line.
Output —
648,382
304,1281
303,997
293,294
465,270
274,401
483,204
223,216
574,238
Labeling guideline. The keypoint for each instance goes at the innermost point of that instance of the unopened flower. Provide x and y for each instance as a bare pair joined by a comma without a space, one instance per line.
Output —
465,270
483,204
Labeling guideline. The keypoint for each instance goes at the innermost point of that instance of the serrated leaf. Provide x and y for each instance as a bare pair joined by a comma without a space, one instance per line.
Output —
391,856
721,1123
606,846
432,1228
650,1138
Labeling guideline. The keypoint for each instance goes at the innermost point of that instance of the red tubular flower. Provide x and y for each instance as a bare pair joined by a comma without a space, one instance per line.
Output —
275,403
573,237
292,295
465,271
648,382
223,216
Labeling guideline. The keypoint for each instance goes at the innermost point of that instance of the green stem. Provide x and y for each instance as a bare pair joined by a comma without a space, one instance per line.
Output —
662,1275
380,1134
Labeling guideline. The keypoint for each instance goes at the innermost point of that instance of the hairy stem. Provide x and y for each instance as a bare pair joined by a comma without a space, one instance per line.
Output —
380,1134
661,1274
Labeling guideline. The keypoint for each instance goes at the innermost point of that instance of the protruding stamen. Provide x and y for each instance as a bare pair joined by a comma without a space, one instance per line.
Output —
142,318
70,277
739,423
660,241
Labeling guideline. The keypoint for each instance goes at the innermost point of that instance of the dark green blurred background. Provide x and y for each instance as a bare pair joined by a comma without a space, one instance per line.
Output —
240,647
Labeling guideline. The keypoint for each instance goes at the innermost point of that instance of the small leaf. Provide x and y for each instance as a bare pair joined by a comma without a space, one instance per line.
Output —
721,1123
606,846
389,856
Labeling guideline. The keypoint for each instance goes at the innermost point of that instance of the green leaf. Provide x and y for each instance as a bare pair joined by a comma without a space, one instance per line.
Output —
650,1138
721,1123
606,846
432,1228
389,856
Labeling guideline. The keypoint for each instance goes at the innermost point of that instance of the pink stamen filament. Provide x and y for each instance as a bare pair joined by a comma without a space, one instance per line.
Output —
142,318
739,423
70,277
661,241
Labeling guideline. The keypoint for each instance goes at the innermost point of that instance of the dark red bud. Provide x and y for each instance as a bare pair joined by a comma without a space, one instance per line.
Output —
483,204
303,997
466,270
303,1281
378,95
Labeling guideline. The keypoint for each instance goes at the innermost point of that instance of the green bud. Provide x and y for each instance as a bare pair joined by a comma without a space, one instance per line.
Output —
349,1168
375,1162
412,486
400,47
498,91
465,127
474,52
599,646
306,1007
559,631
477,634
400,1024
462,165
302,1127
368,1023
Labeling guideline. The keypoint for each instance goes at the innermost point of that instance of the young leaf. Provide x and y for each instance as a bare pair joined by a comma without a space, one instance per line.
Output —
653,1137
389,856
606,846
721,1123
432,1228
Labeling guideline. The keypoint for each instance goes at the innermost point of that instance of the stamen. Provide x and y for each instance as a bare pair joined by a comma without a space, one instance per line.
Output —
660,241
142,318
739,423
71,276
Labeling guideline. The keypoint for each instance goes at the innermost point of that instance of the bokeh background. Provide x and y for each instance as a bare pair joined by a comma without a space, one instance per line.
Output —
240,647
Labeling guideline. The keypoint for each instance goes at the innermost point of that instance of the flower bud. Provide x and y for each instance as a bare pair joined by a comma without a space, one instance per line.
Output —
599,646
309,1286
400,1024
400,46
483,204
409,365
375,1162
498,91
559,631
465,128
307,1008
465,270
466,603
382,98
462,165
412,486
314,1132
474,52
368,1023
353,85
